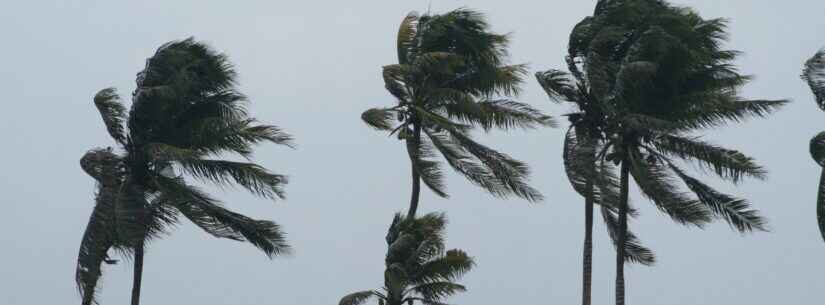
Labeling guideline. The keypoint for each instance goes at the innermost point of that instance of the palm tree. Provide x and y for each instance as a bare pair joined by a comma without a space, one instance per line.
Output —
589,178
100,235
451,78
661,75
185,114
814,74
418,267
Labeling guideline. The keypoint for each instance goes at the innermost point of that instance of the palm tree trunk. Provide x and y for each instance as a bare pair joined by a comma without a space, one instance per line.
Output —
820,204
622,239
138,274
587,273
416,177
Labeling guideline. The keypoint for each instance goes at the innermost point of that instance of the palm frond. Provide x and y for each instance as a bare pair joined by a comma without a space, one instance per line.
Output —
357,298
634,250
450,267
659,186
254,178
735,211
406,38
465,163
814,74
437,290
113,113
559,86
727,164
208,214
422,157
379,118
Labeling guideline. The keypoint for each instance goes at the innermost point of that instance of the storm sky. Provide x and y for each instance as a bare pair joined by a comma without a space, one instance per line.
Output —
311,67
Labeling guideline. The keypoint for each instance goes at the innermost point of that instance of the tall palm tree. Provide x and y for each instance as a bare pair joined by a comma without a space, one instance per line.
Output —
814,74
591,180
186,113
452,77
418,267
662,76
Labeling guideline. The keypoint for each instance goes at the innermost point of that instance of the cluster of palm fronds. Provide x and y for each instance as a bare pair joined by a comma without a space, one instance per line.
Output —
185,115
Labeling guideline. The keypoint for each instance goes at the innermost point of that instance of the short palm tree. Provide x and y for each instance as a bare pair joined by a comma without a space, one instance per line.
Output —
451,78
662,76
100,235
418,267
185,114
814,74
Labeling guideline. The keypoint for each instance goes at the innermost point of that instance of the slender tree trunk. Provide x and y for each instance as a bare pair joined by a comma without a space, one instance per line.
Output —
820,206
587,273
416,176
622,240
138,274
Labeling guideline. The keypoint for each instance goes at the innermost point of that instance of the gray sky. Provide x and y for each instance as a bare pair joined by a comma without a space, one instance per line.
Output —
312,67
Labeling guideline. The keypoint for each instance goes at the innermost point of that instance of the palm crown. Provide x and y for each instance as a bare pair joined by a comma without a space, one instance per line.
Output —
451,78
417,266
185,114
814,74
660,74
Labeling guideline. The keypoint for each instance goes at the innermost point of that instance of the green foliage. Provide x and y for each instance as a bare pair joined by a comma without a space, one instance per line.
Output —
814,75
418,268
186,115
451,78
655,74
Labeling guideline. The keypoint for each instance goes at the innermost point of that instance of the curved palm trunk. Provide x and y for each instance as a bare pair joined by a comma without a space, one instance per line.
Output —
587,272
416,177
622,239
138,274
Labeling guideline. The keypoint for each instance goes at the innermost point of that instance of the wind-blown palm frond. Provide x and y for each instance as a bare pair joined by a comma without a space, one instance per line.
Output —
208,214
814,74
728,164
634,251
657,184
357,298
113,113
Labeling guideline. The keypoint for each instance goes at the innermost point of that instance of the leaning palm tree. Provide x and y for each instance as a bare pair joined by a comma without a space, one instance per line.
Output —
418,267
814,74
662,76
451,78
100,235
186,113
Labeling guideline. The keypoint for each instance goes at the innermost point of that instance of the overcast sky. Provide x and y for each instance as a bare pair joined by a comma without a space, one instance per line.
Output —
312,67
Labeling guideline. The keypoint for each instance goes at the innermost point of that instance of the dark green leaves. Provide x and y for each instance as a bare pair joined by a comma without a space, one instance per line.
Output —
452,77
113,113
814,74
417,266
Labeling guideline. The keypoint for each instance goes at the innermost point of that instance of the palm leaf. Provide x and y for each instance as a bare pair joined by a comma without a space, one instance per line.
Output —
814,74
633,249
113,113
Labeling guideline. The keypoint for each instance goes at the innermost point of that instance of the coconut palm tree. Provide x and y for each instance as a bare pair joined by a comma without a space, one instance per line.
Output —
591,180
186,113
100,235
418,267
814,74
662,76
451,78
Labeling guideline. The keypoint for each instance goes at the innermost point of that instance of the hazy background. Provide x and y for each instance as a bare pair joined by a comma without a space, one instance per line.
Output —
312,67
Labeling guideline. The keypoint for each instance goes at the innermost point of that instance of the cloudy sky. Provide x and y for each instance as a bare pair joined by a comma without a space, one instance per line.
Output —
312,67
